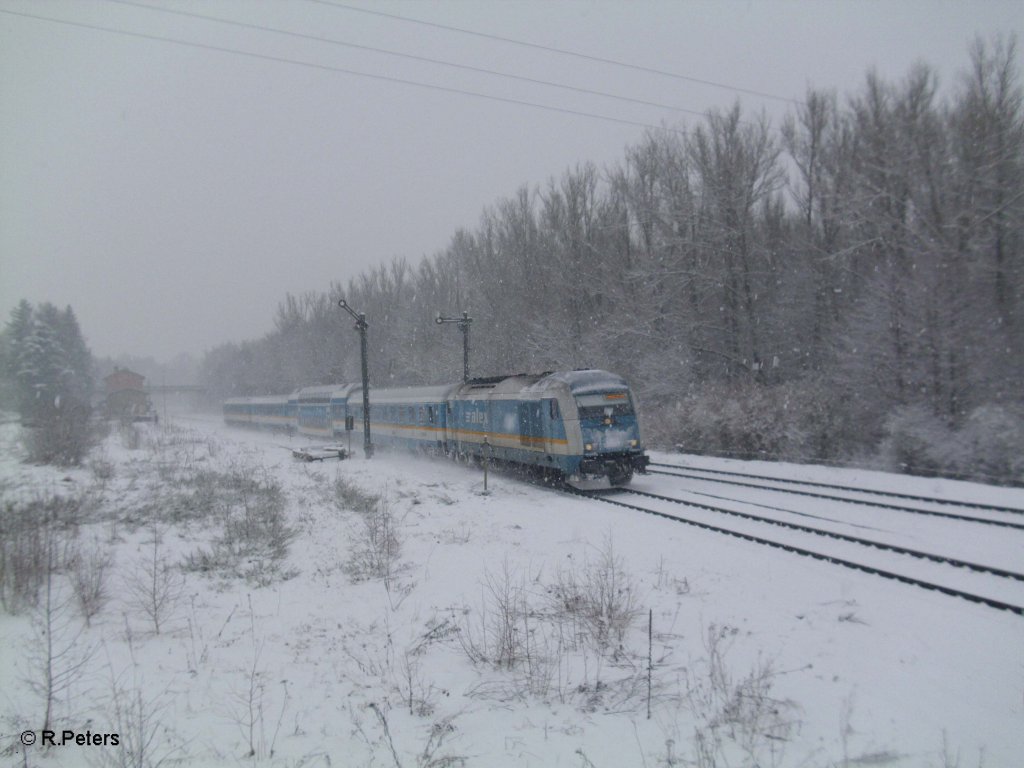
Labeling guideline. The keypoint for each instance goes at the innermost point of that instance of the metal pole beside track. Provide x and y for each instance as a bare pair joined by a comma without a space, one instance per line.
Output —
362,326
463,323
464,327
487,451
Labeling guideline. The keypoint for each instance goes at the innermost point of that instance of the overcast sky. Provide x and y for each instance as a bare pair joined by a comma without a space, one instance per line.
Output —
172,194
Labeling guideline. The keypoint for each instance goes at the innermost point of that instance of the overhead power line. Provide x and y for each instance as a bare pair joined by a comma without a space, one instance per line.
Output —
563,52
342,70
403,55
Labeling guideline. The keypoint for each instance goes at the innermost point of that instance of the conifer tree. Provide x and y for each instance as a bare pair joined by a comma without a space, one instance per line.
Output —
49,368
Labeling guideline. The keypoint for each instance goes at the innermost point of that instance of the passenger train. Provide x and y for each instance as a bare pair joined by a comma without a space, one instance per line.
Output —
577,426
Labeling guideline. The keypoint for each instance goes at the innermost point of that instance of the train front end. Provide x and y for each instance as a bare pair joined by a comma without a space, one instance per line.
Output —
609,430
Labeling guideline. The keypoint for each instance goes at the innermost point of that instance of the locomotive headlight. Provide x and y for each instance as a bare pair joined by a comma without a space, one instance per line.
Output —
633,443
588,447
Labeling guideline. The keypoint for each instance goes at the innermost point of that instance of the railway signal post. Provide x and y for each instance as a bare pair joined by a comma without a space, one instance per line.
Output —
361,326
463,323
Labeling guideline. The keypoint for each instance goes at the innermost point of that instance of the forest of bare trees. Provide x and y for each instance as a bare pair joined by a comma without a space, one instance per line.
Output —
848,284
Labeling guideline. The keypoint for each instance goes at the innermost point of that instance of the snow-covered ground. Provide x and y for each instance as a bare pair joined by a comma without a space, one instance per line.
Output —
464,629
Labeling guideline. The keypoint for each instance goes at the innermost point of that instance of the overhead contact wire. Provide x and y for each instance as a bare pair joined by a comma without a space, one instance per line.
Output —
403,55
563,52
342,70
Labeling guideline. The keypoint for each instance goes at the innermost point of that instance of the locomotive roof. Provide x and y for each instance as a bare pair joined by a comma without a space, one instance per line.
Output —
577,382
582,381
405,395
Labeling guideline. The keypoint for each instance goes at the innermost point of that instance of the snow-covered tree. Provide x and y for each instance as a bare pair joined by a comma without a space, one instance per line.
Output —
47,360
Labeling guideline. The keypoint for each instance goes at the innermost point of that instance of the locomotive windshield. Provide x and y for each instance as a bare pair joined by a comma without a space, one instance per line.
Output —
604,406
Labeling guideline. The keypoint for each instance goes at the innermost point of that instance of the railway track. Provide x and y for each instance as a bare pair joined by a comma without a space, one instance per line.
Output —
818,555
692,473
816,484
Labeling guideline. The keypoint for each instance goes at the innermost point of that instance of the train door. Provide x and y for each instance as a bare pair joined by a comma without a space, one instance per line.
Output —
435,425
447,420
531,432
552,423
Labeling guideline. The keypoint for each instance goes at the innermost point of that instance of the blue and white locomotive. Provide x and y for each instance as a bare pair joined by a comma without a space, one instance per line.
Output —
579,426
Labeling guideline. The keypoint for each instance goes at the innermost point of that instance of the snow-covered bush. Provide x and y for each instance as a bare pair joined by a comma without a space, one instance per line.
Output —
914,440
350,497
61,434
33,544
988,446
602,597
102,469
250,506
738,720
796,421
991,444
23,556
567,639
376,544
88,571
503,636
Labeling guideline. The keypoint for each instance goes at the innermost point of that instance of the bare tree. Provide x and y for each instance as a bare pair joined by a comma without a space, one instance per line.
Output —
736,163
88,573
155,587
57,658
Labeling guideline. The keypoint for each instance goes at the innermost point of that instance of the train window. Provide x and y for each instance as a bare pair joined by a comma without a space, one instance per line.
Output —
599,407
605,411
430,414
553,408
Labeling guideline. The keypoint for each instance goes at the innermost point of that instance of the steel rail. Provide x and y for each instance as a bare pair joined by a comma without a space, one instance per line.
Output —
839,536
862,502
970,597
893,494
